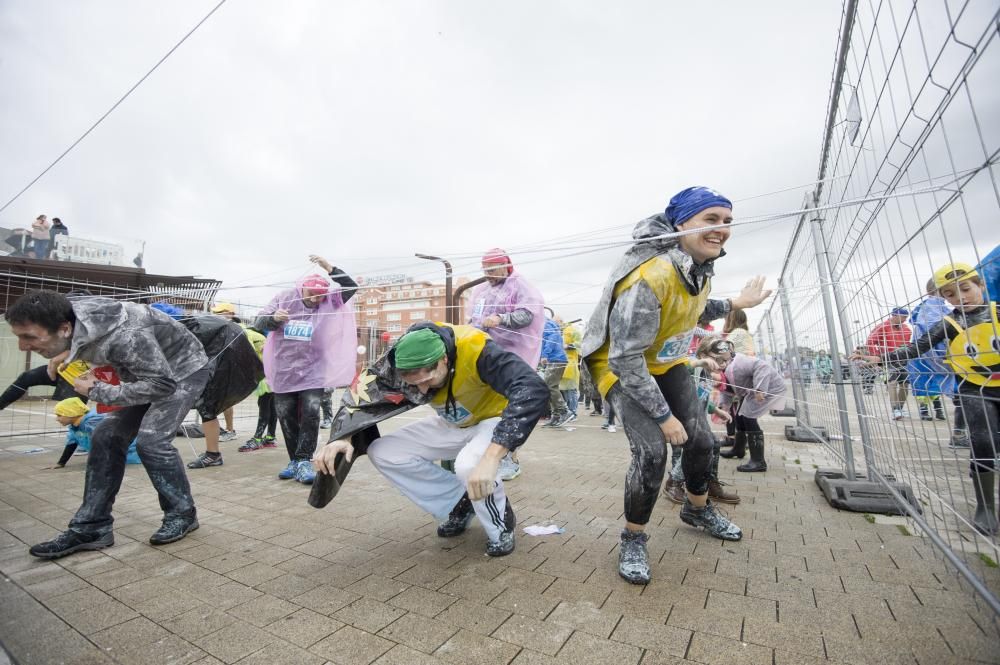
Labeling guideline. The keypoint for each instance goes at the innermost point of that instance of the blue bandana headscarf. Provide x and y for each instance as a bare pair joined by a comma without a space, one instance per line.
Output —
689,202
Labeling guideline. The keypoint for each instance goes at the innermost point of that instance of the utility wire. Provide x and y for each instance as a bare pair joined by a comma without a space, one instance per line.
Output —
114,106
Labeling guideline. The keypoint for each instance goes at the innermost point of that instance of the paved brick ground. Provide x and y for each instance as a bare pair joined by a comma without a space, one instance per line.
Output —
269,580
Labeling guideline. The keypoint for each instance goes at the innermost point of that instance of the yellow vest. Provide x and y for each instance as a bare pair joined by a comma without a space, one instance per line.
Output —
679,312
74,370
476,401
571,377
974,353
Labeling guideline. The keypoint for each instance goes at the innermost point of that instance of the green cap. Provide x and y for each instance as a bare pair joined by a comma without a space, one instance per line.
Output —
420,348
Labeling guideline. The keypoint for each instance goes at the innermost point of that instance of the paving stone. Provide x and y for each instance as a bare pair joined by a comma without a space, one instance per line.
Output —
325,599
350,646
90,610
474,588
136,631
584,649
422,601
474,617
468,647
518,578
226,596
591,592
235,641
255,573
427,576
706,621
287,586
714,650
419,632
304,627
263,610
586,617
653,636
368,614
546,637
167,649
198,622
378,587
789,637
282,653
404,655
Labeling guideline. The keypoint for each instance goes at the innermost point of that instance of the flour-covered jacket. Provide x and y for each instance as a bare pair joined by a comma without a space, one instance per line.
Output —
637,322
149,350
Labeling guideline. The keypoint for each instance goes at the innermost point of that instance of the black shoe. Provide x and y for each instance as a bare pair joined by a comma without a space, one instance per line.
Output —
458,518
505,543
173,529
755,440
633,558
739,449
68,542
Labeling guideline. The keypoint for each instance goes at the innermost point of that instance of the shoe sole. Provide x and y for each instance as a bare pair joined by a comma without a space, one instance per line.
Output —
83,547
731,502
457,533
191,527
511,476
641,581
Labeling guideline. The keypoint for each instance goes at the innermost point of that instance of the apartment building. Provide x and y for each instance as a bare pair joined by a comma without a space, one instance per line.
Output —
392,303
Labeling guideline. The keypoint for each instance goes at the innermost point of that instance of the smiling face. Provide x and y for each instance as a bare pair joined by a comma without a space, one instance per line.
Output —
48,344
495,272
707,245
426,379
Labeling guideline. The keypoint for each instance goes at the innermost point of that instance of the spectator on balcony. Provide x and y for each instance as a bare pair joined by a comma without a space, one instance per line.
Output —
40,236
885,338
58,229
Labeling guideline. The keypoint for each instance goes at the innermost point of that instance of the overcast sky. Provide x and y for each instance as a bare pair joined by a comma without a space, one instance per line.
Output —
367,131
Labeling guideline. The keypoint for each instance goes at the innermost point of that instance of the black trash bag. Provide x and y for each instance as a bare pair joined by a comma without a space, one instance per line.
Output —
376,395
238,370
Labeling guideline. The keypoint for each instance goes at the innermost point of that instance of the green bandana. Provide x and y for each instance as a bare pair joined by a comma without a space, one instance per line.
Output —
420,348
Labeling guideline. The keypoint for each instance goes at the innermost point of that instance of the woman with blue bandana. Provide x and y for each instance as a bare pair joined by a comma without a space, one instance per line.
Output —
636,347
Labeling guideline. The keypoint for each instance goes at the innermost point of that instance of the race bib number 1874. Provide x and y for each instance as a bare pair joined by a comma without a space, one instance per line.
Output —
299,330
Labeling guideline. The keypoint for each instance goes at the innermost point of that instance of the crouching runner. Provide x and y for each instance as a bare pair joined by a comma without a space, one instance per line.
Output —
487,401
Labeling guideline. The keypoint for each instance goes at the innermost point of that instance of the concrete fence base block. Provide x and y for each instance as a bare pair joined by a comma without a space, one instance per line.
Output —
806,434
787,412
862,495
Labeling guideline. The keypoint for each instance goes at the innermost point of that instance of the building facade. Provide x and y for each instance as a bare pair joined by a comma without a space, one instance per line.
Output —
392,303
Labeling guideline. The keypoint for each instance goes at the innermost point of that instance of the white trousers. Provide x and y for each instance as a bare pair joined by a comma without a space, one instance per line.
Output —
406,458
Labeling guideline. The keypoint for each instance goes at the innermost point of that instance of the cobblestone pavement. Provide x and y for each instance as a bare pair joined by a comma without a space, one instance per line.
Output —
269,580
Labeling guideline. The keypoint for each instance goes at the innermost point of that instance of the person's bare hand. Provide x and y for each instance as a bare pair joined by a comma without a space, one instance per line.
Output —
723,416
491,321
868,360
321,262
673,431
56,364
483,479
752,294
281,315
83,383
323,458
708,364
758,396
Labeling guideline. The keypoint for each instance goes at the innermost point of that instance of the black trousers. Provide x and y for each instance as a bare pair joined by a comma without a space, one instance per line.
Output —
981,407
298,414
649,448
267,416
37,376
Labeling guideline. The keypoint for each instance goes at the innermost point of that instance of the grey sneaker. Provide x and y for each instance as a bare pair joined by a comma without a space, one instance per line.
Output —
633,559
509,469
712,520
227,434
205,460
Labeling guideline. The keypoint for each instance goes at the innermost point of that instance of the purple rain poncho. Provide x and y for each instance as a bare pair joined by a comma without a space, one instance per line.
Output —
315,348
748,375
513,293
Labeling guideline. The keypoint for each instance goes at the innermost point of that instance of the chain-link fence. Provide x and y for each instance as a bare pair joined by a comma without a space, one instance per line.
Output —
907,185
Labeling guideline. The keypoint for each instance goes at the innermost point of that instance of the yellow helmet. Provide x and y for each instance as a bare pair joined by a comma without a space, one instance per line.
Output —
953,272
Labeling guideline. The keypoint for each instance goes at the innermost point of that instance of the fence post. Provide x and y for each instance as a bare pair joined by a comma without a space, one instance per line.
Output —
831,333
801,430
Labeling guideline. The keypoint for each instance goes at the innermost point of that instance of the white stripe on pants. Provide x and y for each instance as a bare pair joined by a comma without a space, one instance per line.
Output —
406,458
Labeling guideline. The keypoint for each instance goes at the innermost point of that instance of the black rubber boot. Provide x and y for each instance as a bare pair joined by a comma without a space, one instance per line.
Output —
939,413
755,440
739,449
985,520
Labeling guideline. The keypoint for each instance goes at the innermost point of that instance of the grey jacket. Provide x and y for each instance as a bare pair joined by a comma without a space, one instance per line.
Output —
149,350
632,320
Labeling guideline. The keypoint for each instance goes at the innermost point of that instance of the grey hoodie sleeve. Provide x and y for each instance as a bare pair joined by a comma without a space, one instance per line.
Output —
265,318
141,356
632,327
519,318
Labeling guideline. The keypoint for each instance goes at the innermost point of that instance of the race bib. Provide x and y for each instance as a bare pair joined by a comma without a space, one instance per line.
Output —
455,416
300,331
675,347
480,305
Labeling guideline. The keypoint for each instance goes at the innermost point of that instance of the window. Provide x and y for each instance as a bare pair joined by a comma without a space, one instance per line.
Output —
417,316
393,316
372,323
371,312
394,327
373,301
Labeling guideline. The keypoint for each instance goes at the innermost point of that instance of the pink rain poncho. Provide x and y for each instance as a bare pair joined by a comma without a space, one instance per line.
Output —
513,293
316,347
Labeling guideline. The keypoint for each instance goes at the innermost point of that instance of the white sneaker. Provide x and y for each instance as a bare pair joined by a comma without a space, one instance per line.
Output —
509,469
897,414
227,435
612,429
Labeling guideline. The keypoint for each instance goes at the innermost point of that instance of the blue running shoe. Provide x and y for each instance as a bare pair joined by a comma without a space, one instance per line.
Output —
306,474
289,471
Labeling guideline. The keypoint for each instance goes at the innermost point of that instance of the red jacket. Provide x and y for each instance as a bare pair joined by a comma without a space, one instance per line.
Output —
886,337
